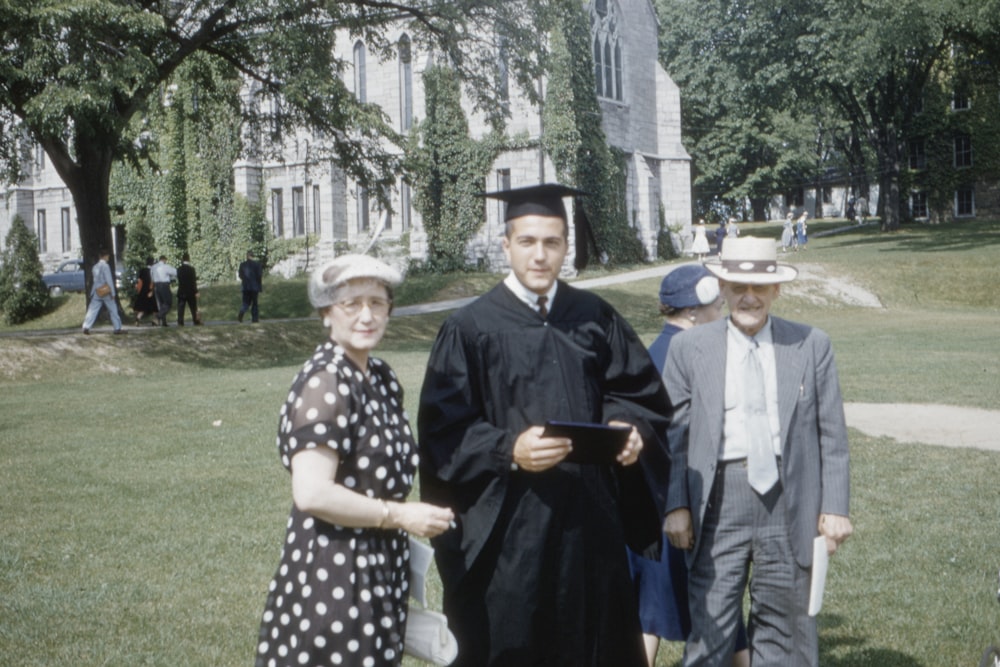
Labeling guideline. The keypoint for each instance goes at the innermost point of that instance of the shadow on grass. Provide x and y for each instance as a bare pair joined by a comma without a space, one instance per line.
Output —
925,238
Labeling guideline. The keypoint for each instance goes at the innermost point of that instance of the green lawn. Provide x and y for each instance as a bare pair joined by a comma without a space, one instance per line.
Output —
144,505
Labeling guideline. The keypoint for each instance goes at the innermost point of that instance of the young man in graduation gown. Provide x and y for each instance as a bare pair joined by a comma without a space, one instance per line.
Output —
536,572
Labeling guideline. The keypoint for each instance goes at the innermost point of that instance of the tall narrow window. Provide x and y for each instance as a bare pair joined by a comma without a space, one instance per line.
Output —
598,65
503,183
405,84
360,73
316,211
965,202
503,71
363,214
42,231
405,206
918,154
608,72
39,157
618,70
963,150
67,231
918,205
277,213
298,212
960,100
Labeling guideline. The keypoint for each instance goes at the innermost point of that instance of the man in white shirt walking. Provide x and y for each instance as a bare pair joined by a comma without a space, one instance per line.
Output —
163,274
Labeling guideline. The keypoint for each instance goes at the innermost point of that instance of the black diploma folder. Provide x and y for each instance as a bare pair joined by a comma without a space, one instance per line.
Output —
592,443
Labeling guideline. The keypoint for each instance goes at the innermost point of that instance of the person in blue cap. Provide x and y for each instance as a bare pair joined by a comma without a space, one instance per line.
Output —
689,296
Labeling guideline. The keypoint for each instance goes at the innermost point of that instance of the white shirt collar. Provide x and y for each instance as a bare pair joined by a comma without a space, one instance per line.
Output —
763,337
526,295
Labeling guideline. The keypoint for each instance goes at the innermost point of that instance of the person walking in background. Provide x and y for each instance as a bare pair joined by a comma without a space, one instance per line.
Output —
700,244
144,302
720,236
343,434
536,572
163,274
801,238
759,464
102,293
187,291
689,296
251,274
788,233
732,228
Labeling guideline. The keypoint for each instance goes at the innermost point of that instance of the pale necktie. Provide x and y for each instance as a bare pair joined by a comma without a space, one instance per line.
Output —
762,469
542,310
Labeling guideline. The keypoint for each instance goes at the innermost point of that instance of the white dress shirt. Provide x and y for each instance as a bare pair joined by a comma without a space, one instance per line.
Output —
738,345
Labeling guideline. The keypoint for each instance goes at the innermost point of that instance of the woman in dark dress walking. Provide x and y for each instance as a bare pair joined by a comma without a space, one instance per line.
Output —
340,593
144,303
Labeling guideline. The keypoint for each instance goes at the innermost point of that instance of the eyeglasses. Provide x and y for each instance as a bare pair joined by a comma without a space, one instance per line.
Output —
354,307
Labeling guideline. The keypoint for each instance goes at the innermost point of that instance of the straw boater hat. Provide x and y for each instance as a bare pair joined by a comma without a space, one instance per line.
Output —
752,261
337,272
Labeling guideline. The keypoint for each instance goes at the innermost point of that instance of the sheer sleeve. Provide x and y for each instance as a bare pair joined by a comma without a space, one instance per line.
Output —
320,411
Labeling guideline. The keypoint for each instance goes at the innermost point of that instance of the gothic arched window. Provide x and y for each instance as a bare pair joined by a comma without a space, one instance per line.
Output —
609,55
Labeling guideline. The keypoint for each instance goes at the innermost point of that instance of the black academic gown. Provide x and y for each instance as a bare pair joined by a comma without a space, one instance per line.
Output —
536,572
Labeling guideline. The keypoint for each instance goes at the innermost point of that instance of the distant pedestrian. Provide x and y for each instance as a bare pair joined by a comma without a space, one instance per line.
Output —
801,237
163,274
720,236
788,232
187,291
144,302
700,245
102,293
732,229
251,274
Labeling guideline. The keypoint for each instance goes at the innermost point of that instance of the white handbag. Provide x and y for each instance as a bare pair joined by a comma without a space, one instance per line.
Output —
428,637
427,634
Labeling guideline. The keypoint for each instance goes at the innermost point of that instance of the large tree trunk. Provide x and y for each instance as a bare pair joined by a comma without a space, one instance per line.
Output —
889,168
88,181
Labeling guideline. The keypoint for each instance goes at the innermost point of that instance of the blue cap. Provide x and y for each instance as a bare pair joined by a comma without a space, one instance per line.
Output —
688,286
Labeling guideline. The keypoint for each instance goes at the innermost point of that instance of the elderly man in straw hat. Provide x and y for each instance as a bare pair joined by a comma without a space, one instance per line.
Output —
759,459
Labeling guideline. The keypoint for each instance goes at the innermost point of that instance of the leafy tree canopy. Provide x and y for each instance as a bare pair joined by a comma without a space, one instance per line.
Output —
73,75
847,68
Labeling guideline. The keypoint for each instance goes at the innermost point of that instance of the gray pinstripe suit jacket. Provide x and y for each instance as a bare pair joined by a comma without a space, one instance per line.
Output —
815,460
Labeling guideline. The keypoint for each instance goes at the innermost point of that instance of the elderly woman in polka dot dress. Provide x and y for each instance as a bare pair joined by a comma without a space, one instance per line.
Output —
339,596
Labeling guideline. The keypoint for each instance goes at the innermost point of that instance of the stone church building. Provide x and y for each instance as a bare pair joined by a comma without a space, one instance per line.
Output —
640,108
641,116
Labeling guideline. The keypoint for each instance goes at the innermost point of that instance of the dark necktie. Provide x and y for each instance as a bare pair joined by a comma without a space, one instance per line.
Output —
542,310
762,469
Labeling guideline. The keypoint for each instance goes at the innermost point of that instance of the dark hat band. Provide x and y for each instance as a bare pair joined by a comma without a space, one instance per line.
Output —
747,266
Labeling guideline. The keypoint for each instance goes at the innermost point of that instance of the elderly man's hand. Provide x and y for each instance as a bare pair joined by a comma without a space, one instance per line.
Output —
835,528
679,530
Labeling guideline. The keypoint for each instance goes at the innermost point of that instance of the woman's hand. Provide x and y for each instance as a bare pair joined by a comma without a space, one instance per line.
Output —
421,519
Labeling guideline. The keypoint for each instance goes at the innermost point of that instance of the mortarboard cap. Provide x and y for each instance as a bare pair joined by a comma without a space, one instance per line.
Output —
545,199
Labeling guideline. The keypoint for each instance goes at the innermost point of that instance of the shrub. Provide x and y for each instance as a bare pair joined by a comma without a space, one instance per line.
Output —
23,295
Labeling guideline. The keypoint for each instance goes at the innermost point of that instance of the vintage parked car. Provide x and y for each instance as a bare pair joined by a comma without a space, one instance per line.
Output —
69,278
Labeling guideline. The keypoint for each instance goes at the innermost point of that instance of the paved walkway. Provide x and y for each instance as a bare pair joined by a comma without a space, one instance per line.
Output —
932,424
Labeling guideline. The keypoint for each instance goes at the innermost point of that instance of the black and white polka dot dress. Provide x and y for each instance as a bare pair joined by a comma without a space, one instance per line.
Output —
339,595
